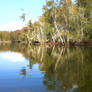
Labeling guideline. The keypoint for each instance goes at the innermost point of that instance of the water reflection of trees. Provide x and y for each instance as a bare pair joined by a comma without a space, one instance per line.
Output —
65,69
23,72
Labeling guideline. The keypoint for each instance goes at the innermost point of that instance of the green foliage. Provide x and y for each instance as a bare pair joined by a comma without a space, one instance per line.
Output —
61,21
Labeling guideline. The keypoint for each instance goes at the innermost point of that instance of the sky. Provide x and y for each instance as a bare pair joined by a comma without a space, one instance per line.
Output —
10,10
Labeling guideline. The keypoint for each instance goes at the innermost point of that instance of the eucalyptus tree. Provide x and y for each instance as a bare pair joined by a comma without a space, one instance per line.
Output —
61,11
87,5
62,21
50,20
29,26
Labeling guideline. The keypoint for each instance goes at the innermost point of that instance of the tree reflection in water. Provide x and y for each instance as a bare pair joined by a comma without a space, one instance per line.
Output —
66,69
23,72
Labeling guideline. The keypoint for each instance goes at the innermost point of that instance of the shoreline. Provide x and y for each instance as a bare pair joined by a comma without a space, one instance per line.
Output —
67,44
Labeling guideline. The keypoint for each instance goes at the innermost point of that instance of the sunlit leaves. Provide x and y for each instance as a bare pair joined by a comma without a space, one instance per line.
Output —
50,3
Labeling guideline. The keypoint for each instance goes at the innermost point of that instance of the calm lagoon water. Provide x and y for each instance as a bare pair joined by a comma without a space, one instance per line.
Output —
45,69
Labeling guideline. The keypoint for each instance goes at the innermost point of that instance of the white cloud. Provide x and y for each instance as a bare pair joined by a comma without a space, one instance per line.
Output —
12,26
12,56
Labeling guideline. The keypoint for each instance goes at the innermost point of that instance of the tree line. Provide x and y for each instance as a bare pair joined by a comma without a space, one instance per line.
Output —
62,21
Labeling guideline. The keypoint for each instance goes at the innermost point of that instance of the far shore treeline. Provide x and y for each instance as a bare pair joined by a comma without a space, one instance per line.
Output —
62,22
